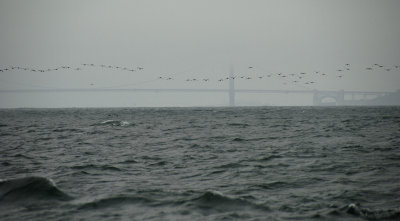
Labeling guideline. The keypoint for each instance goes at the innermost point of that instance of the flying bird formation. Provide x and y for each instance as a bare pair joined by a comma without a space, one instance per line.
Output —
300,78
76,68
386,68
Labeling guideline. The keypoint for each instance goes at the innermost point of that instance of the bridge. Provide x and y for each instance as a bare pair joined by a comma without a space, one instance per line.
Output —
320,97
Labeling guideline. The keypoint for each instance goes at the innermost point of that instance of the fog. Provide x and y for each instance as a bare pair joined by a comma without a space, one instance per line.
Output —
337,45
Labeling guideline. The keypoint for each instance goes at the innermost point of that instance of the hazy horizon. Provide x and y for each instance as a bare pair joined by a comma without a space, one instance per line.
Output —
279,45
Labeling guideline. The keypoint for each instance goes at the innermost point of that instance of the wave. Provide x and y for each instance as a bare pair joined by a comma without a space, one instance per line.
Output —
206,202
229,166
368,214
215,200
129,161
39,188
114,201
242,125
275,185
96,167
389,214
269,157
118,123
67,130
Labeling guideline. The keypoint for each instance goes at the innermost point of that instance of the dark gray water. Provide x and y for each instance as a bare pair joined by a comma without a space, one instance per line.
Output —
295,163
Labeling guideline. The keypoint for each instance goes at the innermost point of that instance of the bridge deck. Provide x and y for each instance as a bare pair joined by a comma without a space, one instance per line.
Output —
187,90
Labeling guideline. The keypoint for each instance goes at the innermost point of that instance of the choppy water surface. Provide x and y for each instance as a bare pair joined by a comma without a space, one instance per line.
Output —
297,163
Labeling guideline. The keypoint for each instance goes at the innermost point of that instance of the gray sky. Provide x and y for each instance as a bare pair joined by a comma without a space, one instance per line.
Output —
187,39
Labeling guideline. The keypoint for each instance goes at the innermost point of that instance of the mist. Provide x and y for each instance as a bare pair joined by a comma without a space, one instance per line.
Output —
180,43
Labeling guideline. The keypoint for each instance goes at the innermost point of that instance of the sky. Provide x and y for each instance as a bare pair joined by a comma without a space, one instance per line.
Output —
335,43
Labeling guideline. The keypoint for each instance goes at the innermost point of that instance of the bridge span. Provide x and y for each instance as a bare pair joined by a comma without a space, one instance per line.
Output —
339,97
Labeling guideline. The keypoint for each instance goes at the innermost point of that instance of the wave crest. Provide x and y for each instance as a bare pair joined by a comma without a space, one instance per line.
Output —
30,188
389,214
119,123
218,201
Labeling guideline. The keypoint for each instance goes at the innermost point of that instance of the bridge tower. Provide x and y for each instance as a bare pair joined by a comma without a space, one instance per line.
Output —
340,98
231,87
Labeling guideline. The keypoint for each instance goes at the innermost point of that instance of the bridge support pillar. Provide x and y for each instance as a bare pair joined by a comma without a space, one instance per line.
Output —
340,98
316,100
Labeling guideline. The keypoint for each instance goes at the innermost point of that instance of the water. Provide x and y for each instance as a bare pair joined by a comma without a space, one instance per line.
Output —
294,163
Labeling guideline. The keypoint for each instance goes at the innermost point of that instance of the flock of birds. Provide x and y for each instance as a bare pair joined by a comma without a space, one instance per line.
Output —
303,78
11,68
